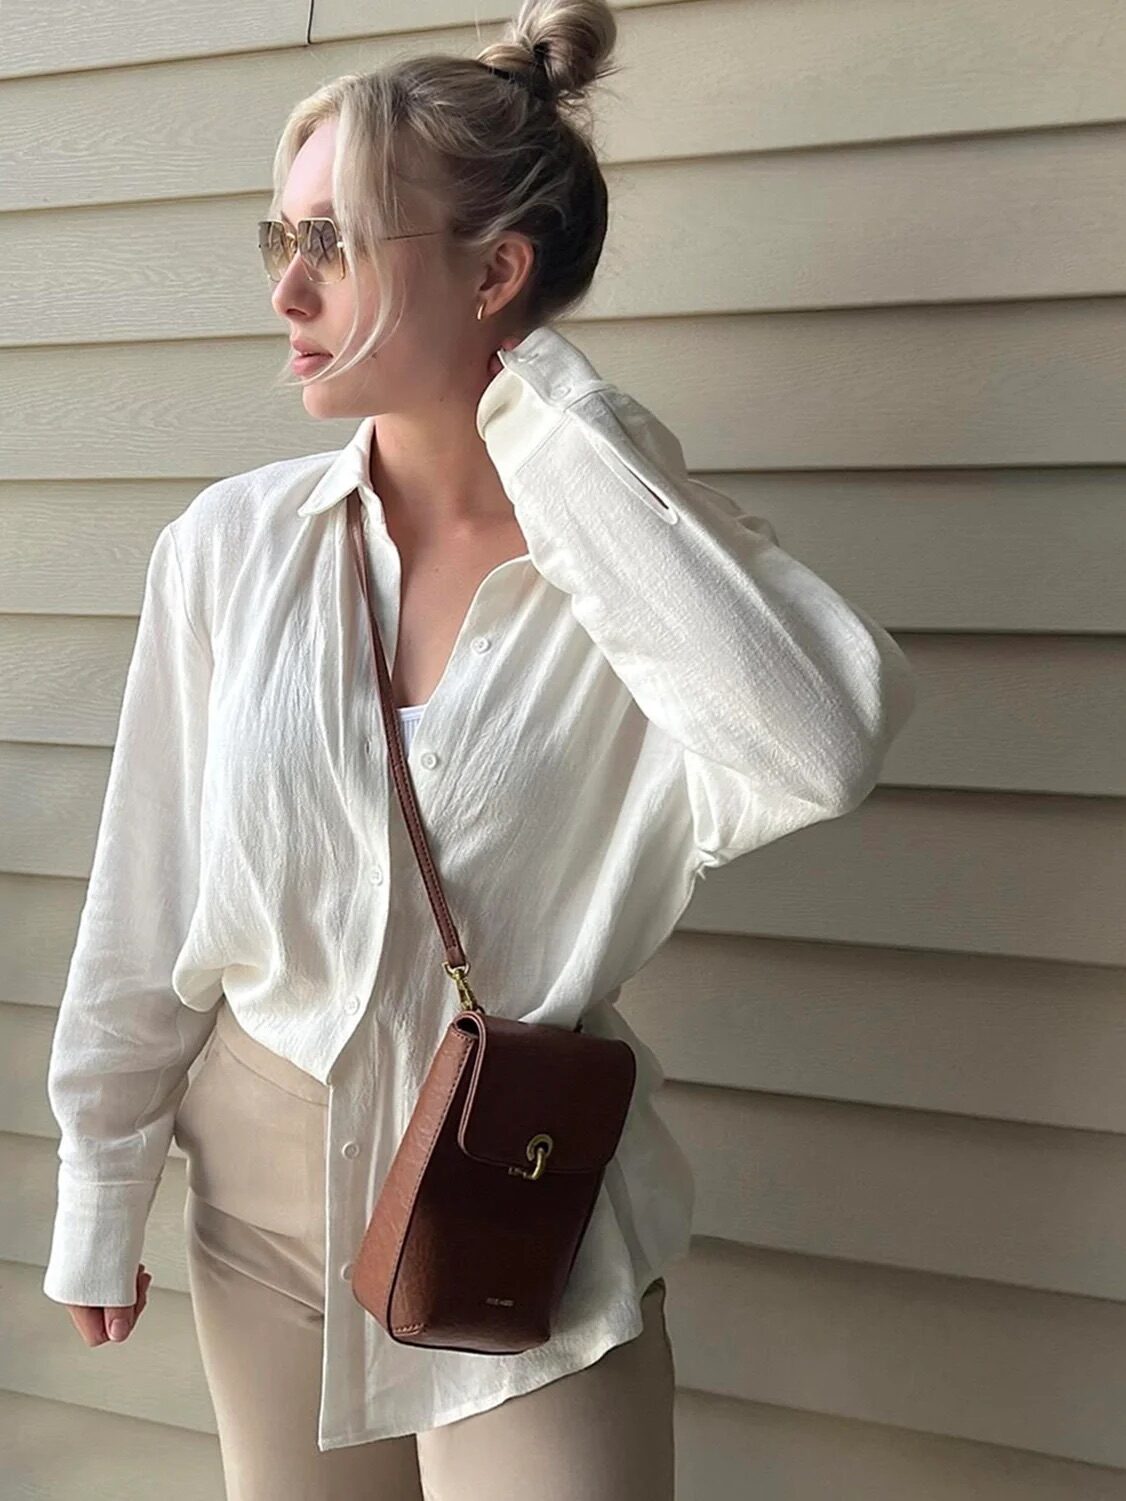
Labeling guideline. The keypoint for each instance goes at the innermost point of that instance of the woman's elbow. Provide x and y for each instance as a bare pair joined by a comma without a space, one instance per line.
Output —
856,772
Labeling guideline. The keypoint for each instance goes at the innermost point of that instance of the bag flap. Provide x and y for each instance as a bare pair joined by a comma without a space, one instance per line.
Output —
530,1079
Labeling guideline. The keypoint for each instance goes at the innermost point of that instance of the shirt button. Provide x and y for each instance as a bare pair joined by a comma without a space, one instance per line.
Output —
351,1149
557,391
346,1270
481,643
352,1004
367,745
428,759
377,876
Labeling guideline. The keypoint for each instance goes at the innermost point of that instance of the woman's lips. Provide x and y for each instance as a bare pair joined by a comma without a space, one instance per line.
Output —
304,362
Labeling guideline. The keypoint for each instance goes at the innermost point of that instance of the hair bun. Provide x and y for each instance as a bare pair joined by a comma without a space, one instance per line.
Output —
558,47
538,76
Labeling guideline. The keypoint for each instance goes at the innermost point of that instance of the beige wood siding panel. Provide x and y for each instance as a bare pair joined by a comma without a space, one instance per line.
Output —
1028,1206
952,551
81,549
367,17
970,872
803,74
1013,1039
819,71
999,384
63,677
155,1374
960,220
115,33
38,924
945,1355
1018,714
54,791
959,549
54,128
1023,713
1020,383
25,1032
729,1450
951,220
54,1450
76,138
360,18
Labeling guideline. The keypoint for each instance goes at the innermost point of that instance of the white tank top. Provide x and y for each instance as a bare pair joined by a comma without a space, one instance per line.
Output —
408,719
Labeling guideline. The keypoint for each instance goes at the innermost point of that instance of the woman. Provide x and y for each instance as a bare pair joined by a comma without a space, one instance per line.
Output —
614,683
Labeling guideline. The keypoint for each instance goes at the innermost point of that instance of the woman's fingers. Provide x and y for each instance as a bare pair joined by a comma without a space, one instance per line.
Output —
119,1323
97,1325
89,1322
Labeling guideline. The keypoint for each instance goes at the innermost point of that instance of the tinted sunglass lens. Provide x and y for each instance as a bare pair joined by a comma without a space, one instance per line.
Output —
271,243
320,249
317,245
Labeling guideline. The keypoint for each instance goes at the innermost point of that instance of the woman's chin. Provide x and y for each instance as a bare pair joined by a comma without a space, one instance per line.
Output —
322,400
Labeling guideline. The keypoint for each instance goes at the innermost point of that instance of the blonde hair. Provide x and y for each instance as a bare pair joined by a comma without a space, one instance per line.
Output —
491,153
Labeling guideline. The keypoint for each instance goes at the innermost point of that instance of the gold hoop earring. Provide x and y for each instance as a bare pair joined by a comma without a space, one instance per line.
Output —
480,311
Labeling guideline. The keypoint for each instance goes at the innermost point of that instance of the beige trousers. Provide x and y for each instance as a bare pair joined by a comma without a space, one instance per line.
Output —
253,1128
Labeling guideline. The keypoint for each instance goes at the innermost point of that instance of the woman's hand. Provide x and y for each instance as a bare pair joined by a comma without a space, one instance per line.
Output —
96,1325
495,366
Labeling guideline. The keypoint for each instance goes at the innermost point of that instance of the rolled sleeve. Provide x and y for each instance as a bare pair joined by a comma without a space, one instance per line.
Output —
781,696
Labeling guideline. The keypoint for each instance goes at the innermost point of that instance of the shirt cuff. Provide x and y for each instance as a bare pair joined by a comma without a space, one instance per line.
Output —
97,1242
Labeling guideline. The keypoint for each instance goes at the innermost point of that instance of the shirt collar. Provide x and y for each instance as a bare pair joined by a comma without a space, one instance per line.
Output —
544,373
348,471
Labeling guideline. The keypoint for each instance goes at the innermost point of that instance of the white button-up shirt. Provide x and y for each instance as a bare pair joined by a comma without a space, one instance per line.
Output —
654,689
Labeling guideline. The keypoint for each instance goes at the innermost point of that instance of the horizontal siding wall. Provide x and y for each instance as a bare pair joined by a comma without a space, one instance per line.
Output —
868,262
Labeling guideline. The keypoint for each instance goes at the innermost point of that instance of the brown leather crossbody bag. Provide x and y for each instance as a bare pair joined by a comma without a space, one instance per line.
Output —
486,1201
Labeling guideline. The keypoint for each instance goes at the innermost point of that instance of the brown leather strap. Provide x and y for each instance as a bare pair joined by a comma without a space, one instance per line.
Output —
455,954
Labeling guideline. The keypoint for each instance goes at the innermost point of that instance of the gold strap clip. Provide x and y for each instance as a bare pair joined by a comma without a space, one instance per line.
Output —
457,973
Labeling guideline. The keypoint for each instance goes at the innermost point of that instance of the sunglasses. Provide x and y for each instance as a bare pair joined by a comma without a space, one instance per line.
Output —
317,241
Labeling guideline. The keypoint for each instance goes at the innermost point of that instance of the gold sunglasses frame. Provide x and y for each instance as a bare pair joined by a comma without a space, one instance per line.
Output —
290,238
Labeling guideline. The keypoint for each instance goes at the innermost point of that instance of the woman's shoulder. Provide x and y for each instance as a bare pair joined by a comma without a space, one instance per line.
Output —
238,517
254,497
